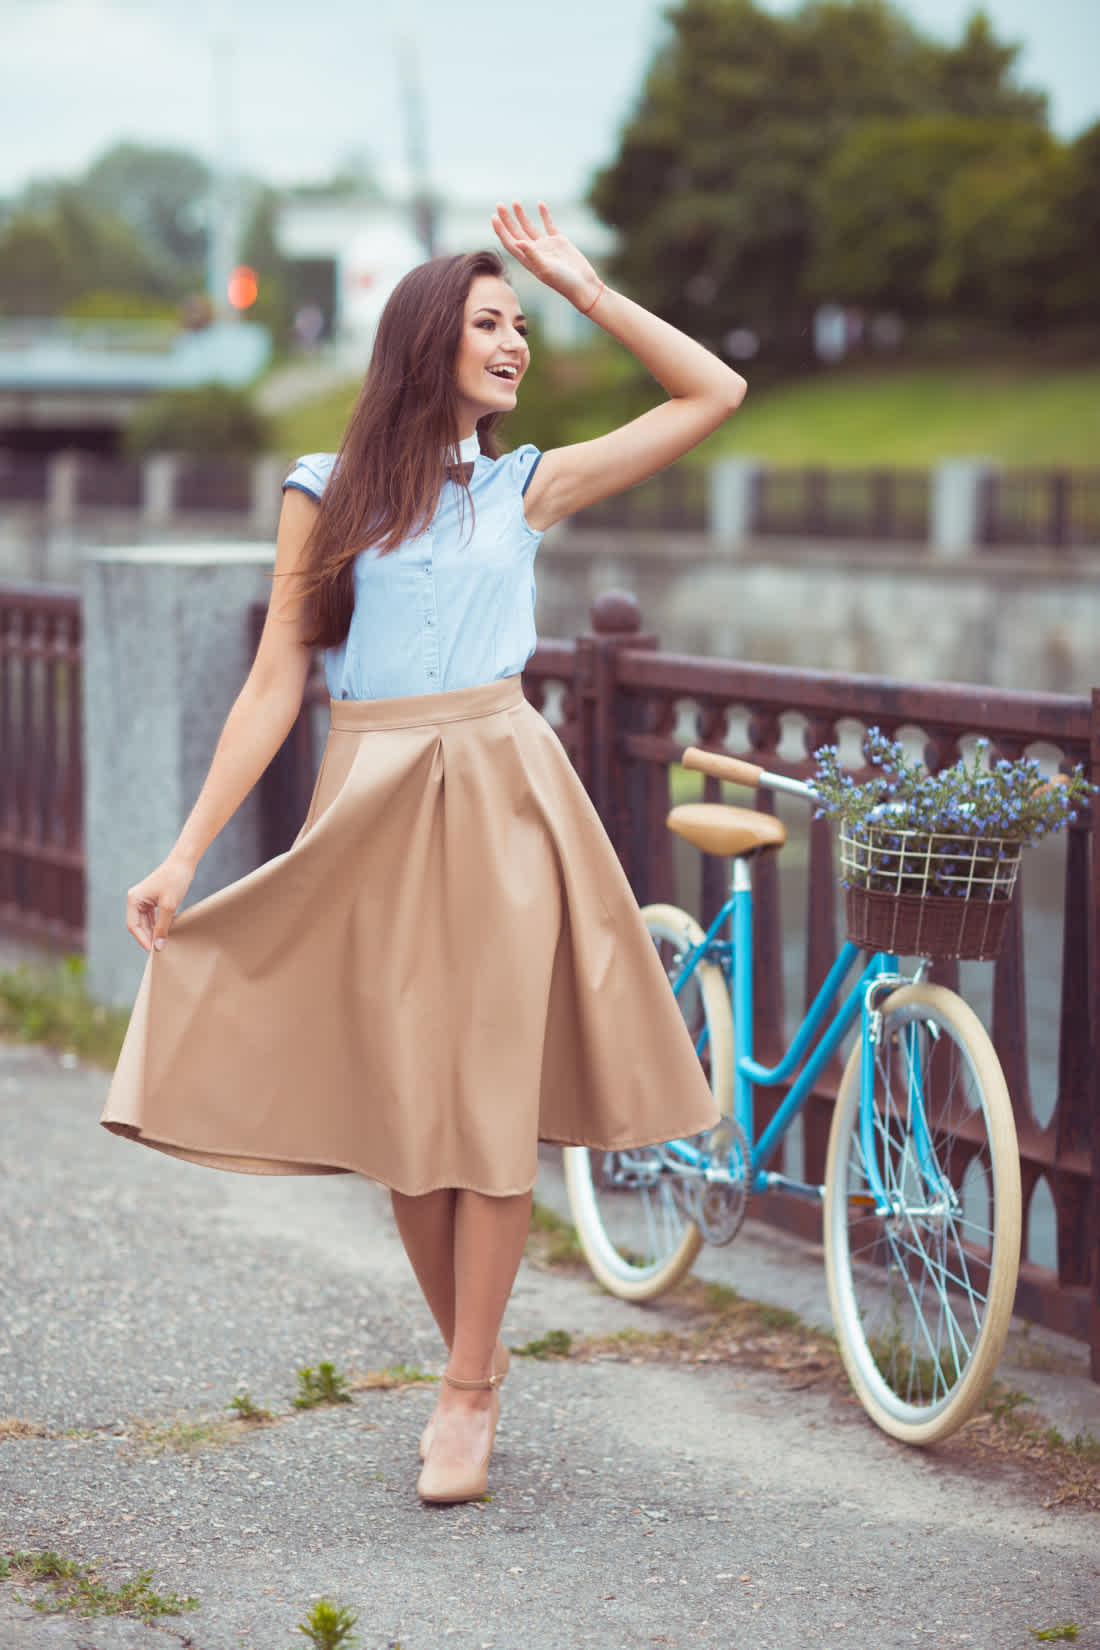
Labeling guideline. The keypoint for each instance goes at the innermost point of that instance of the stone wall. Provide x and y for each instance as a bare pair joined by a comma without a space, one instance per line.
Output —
1017,619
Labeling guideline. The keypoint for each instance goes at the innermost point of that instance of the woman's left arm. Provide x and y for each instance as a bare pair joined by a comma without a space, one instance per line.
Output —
702,390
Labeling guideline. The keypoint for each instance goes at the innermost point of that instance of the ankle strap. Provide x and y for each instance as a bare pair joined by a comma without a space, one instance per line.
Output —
473,1386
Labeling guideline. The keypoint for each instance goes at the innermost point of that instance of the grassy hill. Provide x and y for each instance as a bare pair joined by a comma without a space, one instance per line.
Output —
1023,416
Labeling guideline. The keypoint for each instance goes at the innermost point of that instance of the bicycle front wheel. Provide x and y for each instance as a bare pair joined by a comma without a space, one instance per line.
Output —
922,1282
628,1206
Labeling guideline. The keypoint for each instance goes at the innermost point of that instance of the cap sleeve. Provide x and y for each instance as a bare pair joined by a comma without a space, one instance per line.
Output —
523,464
311,474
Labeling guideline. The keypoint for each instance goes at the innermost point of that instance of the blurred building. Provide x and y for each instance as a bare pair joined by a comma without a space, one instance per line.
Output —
348,253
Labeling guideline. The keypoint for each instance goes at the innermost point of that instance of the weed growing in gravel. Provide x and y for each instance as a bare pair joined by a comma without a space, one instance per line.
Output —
556,1343
329,1626
394,1376
553,1240
323,1385
78,1589
185,1436
14,1426
1066,1630
245,1408
52,1005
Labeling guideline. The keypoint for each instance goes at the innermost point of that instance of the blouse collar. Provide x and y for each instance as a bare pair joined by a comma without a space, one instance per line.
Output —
468,450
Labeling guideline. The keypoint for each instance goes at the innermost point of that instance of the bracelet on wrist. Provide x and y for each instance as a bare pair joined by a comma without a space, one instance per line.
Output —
590,307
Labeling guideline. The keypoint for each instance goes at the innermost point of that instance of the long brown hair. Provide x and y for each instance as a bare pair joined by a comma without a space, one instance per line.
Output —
392,461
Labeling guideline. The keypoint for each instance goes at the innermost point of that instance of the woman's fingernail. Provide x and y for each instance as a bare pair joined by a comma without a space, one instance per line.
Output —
159,943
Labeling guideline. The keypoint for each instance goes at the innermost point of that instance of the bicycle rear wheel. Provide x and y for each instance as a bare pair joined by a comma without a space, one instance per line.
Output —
922,1292
628,1206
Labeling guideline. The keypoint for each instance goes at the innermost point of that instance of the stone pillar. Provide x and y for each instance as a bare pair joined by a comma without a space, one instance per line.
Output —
731,501
955,518
158,500
166,649
268,474
62,480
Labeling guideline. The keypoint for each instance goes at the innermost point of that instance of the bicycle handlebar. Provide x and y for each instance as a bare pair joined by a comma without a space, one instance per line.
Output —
732,768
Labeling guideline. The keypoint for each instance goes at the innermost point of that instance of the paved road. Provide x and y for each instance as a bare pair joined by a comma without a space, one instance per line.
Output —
633,1506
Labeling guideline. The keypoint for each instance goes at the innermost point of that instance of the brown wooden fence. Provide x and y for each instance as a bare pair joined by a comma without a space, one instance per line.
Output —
41,764
624,712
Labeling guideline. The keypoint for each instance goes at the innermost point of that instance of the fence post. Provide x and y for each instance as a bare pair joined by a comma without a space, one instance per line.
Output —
158,489
731,501
956,505
268,473
602,717
167,644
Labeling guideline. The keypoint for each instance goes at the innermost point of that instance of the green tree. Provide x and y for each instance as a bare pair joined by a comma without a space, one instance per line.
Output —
932,213
51,257
260,251
715,186
160,192
211,420
1003,241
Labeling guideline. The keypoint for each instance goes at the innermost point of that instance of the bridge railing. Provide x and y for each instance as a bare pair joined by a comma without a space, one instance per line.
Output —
41,764
625,711
1003,509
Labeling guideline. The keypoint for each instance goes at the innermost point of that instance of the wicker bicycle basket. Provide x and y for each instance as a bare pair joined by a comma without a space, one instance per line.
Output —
920,895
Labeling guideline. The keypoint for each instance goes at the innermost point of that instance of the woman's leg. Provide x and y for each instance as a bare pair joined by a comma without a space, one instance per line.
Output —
427,1228
488,1236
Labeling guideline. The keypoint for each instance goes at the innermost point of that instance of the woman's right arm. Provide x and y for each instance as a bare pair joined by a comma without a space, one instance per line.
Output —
262,716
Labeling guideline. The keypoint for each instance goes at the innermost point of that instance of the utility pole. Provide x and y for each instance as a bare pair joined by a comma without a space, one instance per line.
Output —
223,205
422,203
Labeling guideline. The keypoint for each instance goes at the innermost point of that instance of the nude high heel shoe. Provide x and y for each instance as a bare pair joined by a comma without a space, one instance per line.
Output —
450,1484
502,1361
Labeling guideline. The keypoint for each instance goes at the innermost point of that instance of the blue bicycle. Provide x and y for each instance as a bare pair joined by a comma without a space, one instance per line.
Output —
921,1200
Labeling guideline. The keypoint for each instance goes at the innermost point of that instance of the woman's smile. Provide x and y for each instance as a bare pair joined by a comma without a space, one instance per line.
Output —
493,354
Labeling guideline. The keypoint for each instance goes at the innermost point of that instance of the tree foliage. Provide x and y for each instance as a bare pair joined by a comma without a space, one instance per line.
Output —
765,151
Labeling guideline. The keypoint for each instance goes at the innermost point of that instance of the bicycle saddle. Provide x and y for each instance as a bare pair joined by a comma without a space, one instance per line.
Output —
717,828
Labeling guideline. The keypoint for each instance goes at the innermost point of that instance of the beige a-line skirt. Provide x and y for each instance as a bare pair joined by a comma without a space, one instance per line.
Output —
446,967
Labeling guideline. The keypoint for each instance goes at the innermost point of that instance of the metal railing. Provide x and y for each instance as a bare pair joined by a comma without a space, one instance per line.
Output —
41,764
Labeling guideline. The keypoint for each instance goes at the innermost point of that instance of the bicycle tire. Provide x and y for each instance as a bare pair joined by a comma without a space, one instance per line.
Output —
635,1236
921,1299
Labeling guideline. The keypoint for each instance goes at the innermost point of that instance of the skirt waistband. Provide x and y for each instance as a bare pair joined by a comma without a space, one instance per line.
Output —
423,709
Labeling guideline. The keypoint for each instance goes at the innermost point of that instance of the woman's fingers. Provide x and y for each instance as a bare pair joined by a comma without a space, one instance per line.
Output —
544,213
529,229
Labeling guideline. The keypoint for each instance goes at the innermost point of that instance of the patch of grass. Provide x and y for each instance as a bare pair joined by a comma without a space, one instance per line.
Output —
1065,1631
323,1385
52,1005
185,1435
553,1241
556,1343
329,1626
245,1408
1004,1403
393,1378
78,1590
917,415
14,1426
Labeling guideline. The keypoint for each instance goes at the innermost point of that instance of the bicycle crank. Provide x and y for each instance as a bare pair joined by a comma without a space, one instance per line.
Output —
718,1199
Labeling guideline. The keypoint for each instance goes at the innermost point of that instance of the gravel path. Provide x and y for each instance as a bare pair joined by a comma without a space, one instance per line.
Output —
633,1505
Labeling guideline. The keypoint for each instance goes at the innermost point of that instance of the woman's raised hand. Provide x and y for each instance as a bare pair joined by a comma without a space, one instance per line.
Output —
151,904
550,256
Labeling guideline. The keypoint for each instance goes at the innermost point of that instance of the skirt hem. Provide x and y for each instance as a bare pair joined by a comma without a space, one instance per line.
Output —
255,1163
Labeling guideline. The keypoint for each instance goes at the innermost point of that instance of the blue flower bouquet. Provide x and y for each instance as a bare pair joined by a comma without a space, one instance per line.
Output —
929,861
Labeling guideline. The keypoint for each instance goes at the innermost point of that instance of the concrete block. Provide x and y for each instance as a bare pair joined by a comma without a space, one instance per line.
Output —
955,524
731,501
167,647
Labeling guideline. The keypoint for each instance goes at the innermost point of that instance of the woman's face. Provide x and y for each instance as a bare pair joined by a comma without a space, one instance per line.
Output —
492,354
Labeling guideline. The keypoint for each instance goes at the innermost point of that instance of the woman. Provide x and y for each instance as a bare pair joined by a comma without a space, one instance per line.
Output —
448,965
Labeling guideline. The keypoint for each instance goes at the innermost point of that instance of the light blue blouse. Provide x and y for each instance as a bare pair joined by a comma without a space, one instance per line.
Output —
453,607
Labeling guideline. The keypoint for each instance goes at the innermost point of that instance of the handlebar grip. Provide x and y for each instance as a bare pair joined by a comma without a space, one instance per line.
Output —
723,767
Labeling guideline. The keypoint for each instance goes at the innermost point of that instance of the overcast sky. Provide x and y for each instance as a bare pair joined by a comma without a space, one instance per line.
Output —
519,98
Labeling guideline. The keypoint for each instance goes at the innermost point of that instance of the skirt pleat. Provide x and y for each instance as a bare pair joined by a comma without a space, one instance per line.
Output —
446,967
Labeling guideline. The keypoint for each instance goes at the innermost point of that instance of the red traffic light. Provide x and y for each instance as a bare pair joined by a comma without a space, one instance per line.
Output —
242,287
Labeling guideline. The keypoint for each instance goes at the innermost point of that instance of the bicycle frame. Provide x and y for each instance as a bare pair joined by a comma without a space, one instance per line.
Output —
816,1040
